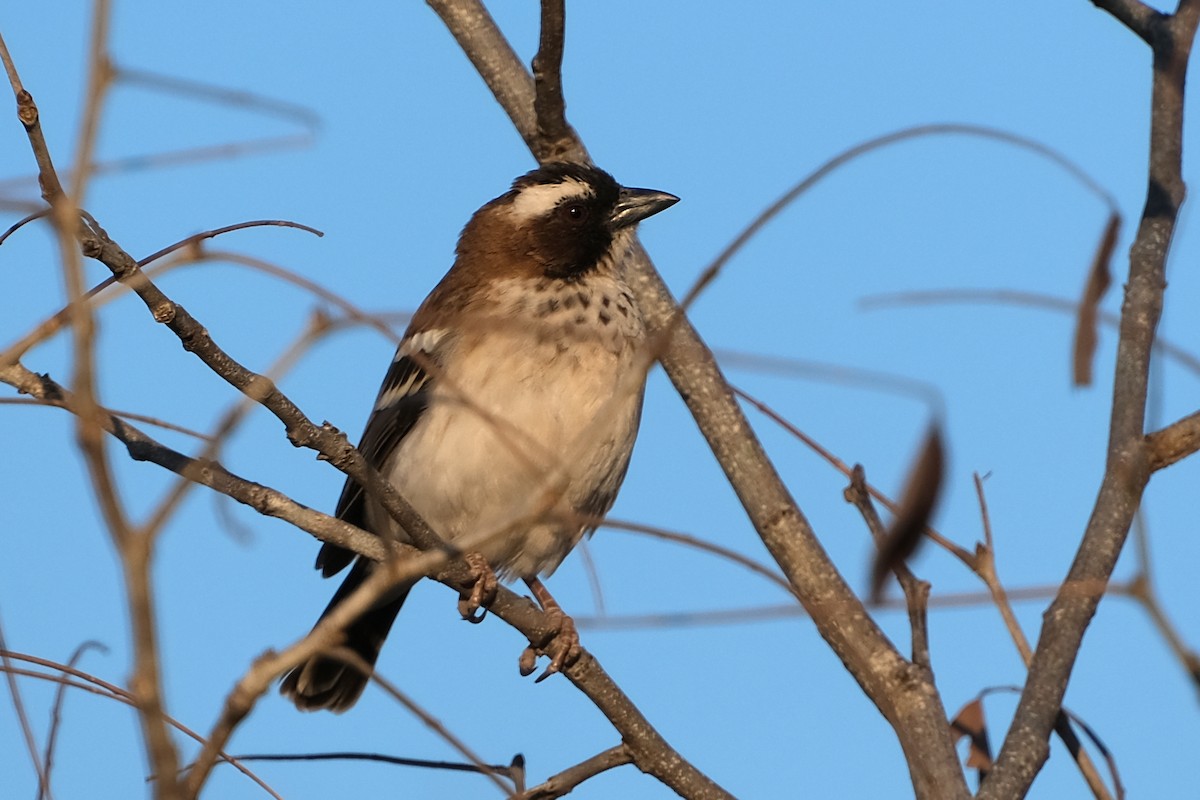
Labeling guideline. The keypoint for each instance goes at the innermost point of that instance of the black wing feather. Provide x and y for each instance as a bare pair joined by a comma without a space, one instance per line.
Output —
385,428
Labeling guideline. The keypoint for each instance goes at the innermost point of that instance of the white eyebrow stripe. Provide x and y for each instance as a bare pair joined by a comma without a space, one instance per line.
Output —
534,201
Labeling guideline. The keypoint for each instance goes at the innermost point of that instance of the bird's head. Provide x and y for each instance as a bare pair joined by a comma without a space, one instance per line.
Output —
560,221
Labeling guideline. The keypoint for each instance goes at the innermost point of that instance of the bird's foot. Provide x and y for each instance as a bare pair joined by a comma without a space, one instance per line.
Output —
473,607
562,645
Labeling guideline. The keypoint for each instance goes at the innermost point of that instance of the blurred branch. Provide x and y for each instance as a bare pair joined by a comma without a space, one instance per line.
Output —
697,543
1142,590
741,616
214,442
129,415
1099,278
118,75
93,685
826,169
1164,347
942,541
99,81
134,552
18,705
60,696
326,634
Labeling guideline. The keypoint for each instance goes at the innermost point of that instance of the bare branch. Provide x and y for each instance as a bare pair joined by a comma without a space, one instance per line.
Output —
1175,442
985,568
1127,470
909,702
916,592
586,673
1134,14
555,137
564,782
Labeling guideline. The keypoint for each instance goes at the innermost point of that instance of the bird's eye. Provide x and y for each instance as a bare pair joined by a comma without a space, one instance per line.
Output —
574,212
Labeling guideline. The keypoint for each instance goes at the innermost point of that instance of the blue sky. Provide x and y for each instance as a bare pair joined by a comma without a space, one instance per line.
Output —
725,107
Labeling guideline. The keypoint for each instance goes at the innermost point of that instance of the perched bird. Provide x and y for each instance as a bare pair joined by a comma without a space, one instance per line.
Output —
510,410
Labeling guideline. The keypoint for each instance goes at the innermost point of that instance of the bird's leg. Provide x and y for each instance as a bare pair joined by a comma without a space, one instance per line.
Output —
473,607
563,646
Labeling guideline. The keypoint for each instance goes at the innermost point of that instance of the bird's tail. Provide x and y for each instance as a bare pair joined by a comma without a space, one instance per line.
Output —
323,682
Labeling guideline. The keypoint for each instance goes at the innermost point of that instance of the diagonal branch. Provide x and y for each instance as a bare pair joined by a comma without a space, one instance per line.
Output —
655,755
904,694
1128,466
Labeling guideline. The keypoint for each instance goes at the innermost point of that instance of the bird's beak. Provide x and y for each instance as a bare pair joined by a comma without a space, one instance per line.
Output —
634,205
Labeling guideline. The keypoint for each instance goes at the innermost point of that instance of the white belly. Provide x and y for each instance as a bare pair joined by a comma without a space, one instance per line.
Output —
515,442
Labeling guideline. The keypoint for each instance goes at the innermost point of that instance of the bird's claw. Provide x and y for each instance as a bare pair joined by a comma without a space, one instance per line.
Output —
527,663
562,647
473,607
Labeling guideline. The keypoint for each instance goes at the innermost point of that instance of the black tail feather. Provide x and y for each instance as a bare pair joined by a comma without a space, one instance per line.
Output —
323,682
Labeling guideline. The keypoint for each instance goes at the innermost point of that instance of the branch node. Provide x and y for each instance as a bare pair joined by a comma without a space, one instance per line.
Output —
27,110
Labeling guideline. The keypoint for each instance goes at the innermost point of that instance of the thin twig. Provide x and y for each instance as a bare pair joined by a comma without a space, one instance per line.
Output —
430,721
1141,589
18,704
129,415
702,545
954,549
325,634
381,758
93,685
1013,297
985,568
710,273
60,696
564,782
916,591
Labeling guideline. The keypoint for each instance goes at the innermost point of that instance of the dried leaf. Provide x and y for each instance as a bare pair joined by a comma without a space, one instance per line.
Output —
1098,280
921,492
970,723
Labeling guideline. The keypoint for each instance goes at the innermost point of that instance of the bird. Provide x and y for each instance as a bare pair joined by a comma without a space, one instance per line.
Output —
509,412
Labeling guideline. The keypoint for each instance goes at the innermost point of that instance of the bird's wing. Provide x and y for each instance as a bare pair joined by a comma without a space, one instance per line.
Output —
402,399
